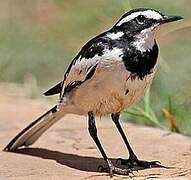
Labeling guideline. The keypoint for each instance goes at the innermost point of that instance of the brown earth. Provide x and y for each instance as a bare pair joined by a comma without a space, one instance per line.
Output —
66,151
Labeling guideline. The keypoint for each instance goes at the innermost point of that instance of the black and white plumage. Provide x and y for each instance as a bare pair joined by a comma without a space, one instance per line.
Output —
109,74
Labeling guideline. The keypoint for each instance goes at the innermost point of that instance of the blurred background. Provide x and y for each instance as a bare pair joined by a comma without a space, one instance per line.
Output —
39,38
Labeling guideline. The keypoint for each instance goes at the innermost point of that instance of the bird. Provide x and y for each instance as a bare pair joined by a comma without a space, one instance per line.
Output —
110,73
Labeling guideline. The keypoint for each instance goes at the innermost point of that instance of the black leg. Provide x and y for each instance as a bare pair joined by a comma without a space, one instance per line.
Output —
93,133
133,160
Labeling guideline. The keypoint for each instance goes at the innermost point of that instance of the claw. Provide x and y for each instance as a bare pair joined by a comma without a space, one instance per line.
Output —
132,163
114,170
122,171
156,162
151,163
111,171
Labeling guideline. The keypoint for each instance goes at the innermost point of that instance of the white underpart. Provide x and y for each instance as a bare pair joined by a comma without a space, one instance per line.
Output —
151,14
145,39
104,93
114,36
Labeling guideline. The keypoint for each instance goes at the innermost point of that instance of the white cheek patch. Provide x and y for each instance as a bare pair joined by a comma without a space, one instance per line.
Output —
114,36
145,40
150,14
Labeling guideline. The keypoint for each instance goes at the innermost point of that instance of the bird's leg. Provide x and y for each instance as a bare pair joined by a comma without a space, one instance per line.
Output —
132,161
93,133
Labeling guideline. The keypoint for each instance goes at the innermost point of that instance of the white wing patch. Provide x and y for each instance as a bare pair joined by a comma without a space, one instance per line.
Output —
114,36
151,14
82,67
79,70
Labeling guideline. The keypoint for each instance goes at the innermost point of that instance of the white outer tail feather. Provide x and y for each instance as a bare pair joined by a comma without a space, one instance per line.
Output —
34,130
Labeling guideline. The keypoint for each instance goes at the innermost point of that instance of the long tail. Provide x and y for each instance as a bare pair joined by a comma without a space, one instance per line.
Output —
34,130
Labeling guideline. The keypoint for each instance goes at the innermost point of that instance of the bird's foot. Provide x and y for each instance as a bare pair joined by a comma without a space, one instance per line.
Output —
111,169
133,163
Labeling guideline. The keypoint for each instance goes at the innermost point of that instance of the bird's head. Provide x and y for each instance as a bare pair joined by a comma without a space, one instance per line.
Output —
141,24
137,20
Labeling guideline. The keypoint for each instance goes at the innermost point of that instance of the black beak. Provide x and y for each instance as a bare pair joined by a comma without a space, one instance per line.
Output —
168,19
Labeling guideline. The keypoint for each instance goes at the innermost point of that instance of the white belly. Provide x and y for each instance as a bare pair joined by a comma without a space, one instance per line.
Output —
109,91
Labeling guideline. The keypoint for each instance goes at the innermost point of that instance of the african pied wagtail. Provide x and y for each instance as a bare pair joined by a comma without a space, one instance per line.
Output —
109,74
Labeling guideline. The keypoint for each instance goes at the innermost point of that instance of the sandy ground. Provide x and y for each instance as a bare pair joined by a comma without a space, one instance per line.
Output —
66,151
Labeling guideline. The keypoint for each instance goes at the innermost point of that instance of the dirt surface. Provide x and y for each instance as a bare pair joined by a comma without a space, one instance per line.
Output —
66,151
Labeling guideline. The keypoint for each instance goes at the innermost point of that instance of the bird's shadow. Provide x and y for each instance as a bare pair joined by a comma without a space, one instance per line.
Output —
79,162
83,163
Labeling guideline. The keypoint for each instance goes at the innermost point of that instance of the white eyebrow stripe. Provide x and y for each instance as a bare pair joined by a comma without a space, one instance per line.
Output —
148,13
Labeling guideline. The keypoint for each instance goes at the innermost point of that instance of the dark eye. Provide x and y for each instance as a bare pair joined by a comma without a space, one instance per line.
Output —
140,19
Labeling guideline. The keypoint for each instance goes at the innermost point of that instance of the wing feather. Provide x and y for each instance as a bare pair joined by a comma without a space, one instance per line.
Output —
82,67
